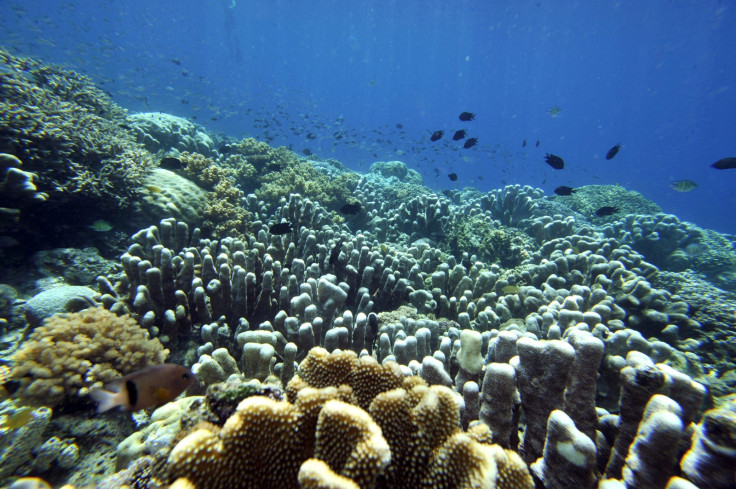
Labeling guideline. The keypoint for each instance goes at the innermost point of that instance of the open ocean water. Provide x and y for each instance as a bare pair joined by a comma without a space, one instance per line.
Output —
368,81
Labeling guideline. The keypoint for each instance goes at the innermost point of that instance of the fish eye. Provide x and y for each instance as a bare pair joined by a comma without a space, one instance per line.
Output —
185,376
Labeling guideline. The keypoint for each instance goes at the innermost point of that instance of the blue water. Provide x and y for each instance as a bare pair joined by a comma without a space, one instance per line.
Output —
659,77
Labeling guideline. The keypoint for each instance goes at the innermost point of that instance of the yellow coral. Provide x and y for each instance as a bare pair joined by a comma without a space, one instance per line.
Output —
71,352
223,213
315,474
365,376
265,442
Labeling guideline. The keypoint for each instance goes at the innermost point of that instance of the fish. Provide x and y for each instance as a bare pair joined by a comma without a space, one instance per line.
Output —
100,226
510,289
452,177
724,164
683,185
564,190
335,253
606,210
554,161
171,163
470,143
153,189
695,249
467,116
280,228
29,483
523,144
537,145
554,112
152,386
437,135
459,135
351,208
613,151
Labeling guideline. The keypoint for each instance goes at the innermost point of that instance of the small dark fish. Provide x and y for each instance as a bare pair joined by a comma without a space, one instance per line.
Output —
171,163
523,145
152,386
564,190
452,177
307,151
436,135
554,161
606,211
335,253
470,143
351,208
467,116
537,145
177,62
683,185
280,228
724,164
459,135
613,151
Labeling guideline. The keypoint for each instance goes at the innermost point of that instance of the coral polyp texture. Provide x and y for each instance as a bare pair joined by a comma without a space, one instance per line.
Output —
409,437
70,353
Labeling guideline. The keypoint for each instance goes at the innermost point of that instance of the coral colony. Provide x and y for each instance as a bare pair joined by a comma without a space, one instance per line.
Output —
346,330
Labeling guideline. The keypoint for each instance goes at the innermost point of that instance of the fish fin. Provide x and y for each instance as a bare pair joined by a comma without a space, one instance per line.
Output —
106,399
162,394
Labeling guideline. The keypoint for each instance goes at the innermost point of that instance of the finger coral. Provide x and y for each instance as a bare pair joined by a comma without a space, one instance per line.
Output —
70,353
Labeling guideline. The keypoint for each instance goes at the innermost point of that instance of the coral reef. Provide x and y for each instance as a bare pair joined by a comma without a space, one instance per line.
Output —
223,213
17,190
69,133
409,436
161,133
70,353
304,179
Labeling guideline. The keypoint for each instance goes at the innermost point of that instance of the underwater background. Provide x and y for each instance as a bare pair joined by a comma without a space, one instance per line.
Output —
367,244
657,78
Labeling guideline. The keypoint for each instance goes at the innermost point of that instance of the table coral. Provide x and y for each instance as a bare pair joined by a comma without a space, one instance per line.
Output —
70,353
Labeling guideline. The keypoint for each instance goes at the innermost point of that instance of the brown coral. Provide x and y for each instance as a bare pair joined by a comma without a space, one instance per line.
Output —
304,179
265,442
364,375
223,213
315,474
71,352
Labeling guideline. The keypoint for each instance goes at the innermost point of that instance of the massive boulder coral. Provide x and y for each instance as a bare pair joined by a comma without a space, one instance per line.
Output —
70,353
160,132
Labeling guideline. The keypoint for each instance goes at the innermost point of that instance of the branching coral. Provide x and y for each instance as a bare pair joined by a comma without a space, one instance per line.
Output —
72,352
69,132
223,214
305,179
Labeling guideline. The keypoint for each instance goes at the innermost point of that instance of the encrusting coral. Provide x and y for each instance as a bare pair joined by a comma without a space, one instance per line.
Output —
70,353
